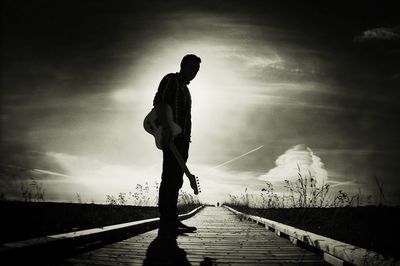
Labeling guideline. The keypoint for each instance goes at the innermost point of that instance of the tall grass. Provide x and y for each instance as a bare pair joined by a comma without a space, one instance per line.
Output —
143,195
32,190
185,198
23,184
303,192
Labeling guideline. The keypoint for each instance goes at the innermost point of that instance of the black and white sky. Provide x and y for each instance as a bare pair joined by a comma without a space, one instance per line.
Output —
309,83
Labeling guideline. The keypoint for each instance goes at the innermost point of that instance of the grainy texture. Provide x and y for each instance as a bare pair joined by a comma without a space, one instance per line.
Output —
222,239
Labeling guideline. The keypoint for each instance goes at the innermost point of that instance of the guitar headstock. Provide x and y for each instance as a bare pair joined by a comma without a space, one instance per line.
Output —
194,184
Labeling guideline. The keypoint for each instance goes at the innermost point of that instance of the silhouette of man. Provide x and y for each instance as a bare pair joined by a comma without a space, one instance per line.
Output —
173,91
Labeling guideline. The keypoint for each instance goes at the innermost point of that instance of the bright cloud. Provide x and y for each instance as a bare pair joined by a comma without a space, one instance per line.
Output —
97,178
94,179
288,164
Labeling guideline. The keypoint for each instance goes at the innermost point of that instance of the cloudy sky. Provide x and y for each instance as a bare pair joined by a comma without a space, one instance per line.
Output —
307,84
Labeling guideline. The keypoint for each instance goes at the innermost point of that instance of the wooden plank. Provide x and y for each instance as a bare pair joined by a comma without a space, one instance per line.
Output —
333,260
222,238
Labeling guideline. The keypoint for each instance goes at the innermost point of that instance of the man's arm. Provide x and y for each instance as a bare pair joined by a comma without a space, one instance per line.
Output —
165,96
167,137
161,110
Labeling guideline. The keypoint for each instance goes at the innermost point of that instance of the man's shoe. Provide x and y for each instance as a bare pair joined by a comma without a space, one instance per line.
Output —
184,227
171,229
173,233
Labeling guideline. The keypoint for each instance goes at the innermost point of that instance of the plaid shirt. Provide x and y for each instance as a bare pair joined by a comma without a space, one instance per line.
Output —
174,92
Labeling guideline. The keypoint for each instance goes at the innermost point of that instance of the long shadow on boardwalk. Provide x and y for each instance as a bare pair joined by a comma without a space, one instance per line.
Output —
165,251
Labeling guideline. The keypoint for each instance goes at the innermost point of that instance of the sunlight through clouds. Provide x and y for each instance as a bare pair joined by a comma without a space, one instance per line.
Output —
262,81
98,179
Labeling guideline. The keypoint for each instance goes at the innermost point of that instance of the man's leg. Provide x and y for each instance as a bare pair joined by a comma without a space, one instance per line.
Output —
171,182
182,146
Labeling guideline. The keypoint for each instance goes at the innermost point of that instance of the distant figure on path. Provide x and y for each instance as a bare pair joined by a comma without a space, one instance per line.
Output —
174,94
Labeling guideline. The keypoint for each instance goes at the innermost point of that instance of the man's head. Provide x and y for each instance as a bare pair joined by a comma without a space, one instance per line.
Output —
190,65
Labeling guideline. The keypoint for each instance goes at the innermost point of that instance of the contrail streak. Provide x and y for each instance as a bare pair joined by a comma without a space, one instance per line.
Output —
240,156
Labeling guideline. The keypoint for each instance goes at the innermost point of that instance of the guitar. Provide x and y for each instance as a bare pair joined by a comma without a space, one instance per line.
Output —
153,126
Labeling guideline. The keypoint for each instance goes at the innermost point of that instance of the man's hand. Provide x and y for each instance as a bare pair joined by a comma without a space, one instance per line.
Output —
167,136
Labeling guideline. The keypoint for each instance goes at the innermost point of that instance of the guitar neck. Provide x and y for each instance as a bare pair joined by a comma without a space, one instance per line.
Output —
179,158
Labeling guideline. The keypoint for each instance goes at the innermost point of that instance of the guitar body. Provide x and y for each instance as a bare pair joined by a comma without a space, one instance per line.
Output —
152,125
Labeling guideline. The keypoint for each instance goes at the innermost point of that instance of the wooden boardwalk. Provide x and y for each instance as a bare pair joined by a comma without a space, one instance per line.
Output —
222,239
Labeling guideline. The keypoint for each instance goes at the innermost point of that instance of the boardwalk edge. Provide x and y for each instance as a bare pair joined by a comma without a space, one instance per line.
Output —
77,238
334,252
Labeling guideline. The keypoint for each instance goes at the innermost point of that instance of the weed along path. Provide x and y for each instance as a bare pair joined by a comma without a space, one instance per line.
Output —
222,238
